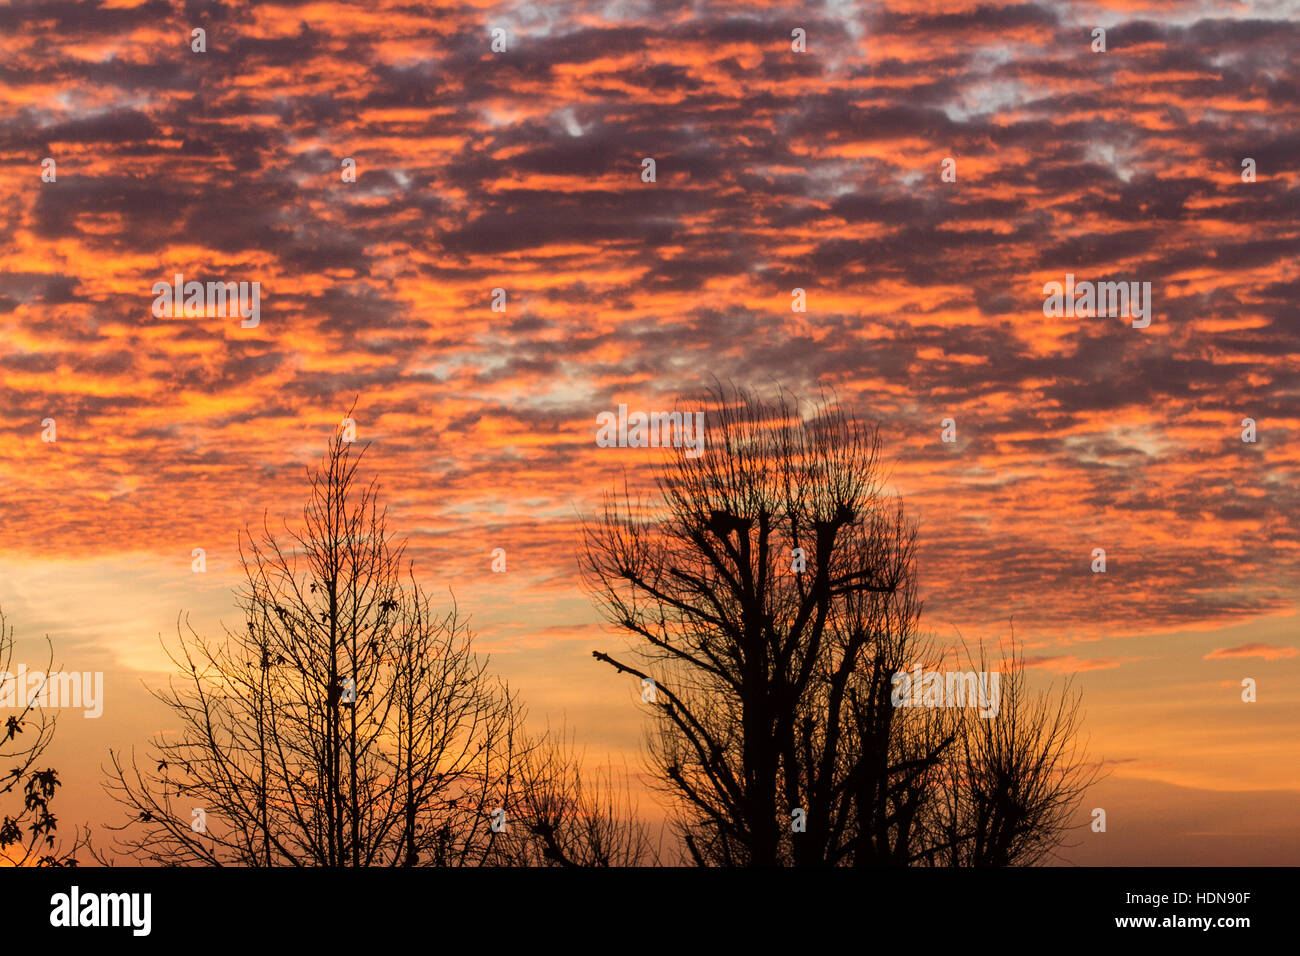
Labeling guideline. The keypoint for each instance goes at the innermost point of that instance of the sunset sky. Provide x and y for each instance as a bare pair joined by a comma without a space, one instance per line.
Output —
775,170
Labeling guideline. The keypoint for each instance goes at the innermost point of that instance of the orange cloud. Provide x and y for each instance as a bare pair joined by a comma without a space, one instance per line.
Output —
1070,664
1269,652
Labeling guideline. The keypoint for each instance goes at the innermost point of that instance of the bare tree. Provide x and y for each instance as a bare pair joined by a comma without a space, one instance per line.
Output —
346,723
770,591
1011,784
28,828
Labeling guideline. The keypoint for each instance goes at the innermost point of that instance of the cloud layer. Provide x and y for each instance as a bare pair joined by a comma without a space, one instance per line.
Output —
776,170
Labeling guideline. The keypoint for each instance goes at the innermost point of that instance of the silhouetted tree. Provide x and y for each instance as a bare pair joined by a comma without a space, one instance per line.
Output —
347,722
1010,785
28,826
771,594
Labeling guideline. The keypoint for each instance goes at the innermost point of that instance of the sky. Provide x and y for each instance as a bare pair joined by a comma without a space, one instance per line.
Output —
774,170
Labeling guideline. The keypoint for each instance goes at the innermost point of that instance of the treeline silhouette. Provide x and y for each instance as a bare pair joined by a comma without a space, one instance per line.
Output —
768,594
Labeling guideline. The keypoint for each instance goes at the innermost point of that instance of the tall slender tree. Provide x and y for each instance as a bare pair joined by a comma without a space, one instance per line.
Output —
346,722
